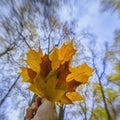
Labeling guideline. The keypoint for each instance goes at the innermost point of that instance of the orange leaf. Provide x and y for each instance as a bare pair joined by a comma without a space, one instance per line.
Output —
72,85
65,100
45,66
27,74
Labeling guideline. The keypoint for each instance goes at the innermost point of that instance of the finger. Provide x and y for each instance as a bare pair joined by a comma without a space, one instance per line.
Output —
38,100
46,111
29,113
34,106
44,100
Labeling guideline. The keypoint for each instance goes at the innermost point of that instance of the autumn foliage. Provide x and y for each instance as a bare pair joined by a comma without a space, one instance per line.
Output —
51,76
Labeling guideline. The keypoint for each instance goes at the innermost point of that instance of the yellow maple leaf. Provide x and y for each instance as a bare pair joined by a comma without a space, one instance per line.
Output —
51,76
66,52
74,96
34,59
54,58
80,73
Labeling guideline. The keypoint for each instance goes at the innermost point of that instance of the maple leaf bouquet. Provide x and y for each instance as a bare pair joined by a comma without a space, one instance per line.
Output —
52,77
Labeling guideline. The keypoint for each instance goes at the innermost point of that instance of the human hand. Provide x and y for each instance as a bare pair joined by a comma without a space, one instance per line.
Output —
41,109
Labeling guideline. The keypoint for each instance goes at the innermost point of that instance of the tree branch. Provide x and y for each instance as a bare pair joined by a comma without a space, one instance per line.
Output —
101,86
4,98
7,50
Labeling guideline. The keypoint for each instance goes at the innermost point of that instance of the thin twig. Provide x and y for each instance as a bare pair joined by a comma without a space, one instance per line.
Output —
10,89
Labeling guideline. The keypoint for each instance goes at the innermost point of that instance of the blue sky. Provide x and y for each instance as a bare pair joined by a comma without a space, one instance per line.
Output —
88,15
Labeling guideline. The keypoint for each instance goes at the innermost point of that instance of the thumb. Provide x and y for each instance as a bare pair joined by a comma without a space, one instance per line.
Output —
46,111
